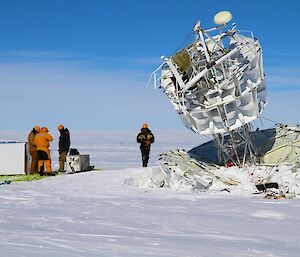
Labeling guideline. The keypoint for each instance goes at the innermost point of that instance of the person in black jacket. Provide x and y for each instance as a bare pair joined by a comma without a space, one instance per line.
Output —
145,138
63,146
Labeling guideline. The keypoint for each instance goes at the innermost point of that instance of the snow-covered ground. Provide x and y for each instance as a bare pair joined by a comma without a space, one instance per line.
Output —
97,214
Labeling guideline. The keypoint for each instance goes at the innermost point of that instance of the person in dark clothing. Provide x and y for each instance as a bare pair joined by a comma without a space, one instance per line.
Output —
145,138
63,146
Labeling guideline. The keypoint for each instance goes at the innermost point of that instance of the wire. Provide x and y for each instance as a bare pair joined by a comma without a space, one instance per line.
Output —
183,43
271,120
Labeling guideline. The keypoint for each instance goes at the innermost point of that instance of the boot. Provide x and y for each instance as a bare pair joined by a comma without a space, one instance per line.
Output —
49,173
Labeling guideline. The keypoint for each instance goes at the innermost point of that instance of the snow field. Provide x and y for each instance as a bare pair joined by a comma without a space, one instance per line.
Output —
98,214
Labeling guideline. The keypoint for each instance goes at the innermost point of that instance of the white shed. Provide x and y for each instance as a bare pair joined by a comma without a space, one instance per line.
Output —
14,158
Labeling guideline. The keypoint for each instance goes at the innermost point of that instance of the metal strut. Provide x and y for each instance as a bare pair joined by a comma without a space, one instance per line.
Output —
236,146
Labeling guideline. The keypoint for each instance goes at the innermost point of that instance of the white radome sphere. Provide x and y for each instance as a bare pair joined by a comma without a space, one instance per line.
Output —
223,17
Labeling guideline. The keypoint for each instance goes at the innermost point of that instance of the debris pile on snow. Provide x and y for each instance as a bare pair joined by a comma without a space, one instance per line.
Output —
180,171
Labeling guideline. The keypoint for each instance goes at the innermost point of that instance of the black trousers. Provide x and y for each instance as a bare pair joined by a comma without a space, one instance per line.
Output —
42,155
145,155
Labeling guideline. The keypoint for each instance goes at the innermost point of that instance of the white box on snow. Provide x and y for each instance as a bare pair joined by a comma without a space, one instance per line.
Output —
14,158
77,163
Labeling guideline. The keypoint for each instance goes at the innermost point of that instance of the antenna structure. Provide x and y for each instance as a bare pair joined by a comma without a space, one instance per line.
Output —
217,86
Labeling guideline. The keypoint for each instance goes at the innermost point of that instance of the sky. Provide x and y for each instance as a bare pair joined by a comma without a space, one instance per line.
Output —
86,64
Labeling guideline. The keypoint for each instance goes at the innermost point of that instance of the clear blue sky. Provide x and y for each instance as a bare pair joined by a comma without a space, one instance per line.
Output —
86,63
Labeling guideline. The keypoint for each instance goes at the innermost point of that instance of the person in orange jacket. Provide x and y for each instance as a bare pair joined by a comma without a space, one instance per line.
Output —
32,149
42,141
